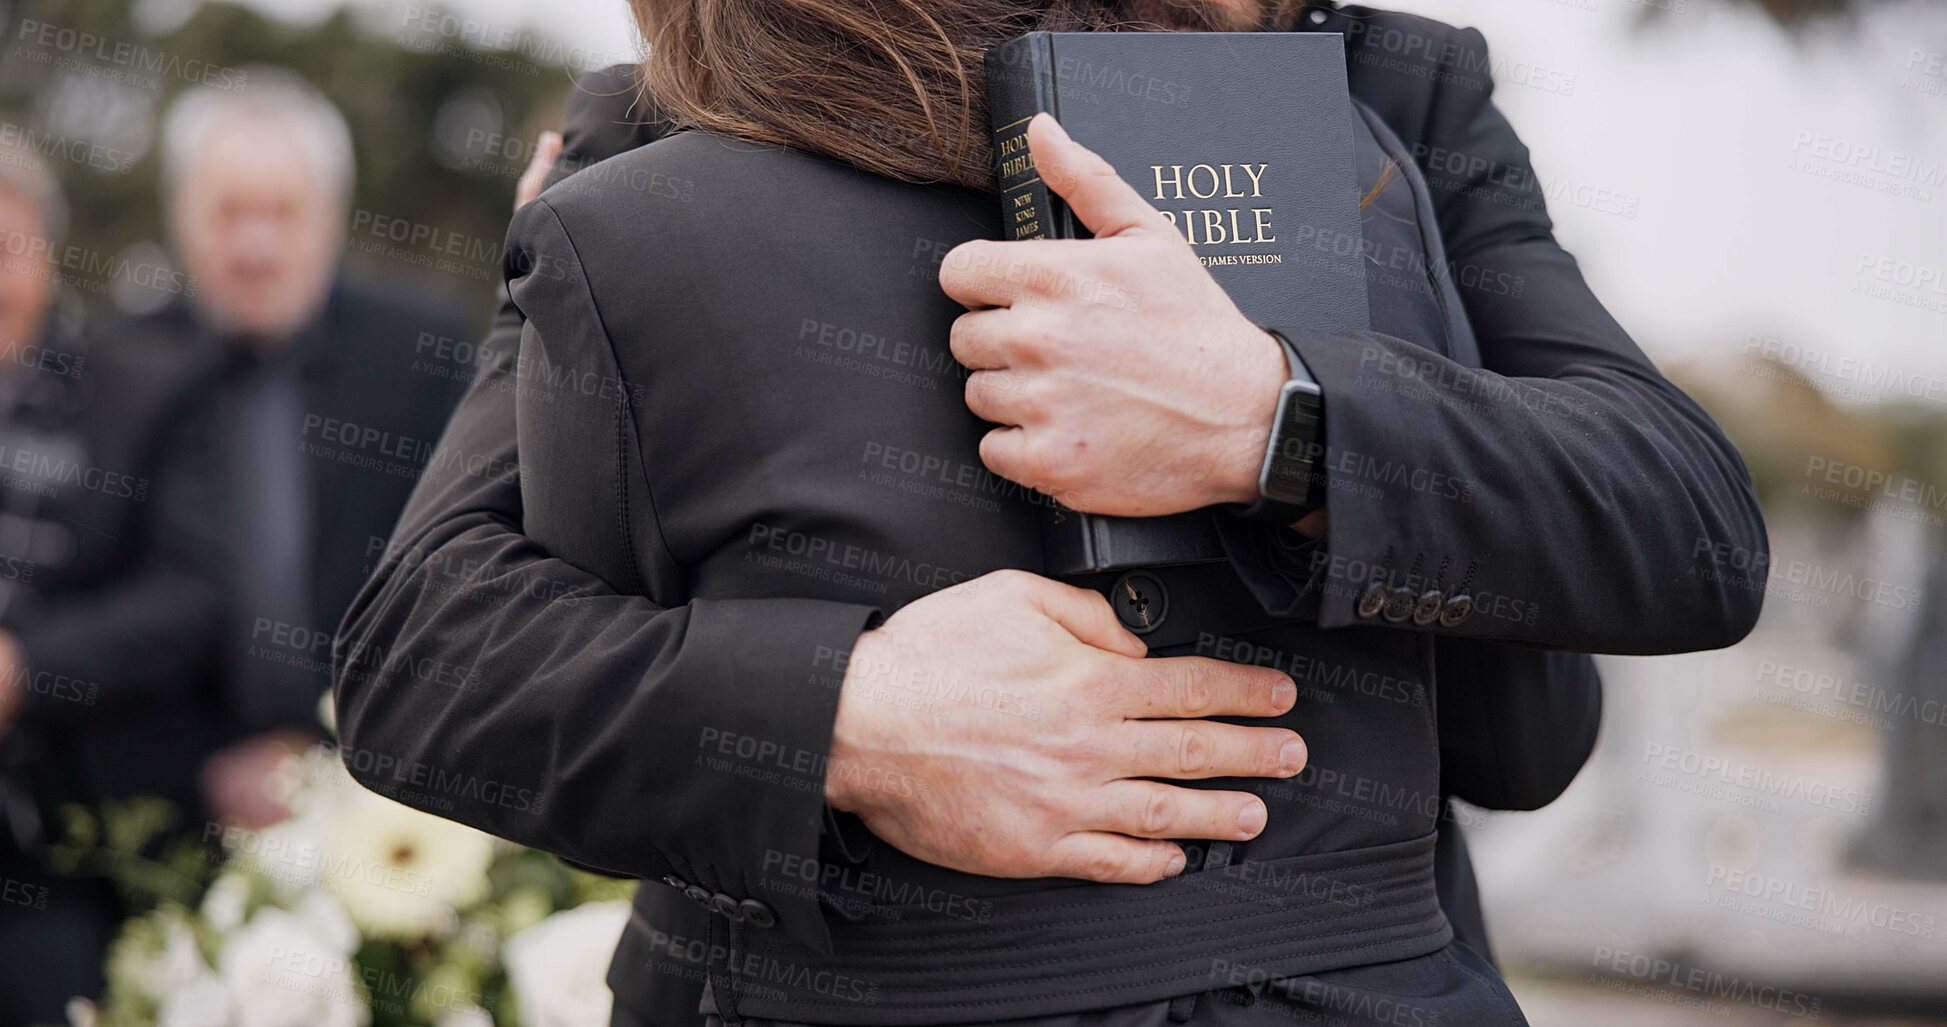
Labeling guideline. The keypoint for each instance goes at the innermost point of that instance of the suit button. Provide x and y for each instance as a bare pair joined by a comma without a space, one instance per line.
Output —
674,882
758,913
1141,602
1399,604
1457,610
727,906
1428,610
1372,600
698,895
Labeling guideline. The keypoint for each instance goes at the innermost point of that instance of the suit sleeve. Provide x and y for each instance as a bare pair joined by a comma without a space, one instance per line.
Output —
1516,724
648,739
1564,494
609,112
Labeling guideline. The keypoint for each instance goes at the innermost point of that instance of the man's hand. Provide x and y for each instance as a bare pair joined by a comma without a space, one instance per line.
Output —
1004,727
13,679
1126,381
547,150
244,784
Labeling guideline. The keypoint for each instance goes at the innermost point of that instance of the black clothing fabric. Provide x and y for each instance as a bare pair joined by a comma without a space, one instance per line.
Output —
608,113
1459,893
54,935
103,533
105,585
313,447
181,523
1452,986
1521,729
607,116
698,541
1571,492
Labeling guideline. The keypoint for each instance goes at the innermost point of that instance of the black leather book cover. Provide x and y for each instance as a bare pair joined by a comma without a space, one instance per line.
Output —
1244,140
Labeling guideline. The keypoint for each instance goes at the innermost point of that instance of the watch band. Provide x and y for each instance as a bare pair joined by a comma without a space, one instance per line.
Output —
1288,485
1291,358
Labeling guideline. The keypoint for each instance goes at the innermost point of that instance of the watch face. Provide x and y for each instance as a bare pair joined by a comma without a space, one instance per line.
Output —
1288,483
1294,450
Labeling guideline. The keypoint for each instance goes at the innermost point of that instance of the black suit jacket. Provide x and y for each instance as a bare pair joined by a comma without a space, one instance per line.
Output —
728,581
378,374
1532,714
386,365
106,581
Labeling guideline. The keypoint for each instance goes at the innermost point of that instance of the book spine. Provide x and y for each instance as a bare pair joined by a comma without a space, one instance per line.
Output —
1021,84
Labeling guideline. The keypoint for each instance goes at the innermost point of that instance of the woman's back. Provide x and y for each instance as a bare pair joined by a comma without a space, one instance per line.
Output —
682,436
775,324
737,386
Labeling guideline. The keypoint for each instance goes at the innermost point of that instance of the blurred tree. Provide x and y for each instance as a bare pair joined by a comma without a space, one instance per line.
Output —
440,121
1797,14
1794,11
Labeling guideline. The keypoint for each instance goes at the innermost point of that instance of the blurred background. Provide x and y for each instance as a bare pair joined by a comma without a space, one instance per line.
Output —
1757,188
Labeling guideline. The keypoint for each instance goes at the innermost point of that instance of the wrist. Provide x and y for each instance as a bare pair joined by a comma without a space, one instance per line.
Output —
867,660
1287,489
1241,459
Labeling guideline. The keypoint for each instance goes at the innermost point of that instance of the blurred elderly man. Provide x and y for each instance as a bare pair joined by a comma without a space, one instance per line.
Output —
107,617
320,420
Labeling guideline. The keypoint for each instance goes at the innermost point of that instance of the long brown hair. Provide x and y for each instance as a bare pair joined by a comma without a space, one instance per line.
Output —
893,86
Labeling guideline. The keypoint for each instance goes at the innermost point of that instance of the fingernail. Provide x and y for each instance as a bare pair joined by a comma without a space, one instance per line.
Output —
1292,756
1251,819
1284,694
1176,865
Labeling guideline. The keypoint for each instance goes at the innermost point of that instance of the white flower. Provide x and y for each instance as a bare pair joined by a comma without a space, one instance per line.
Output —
201,1003
327,712
325,781
402,873
558,966
465,1016
293,968
225,902
173,966
326,917
289,854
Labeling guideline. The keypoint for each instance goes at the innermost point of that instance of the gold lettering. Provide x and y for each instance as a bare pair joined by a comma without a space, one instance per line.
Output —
1230,189
1216,226
1208,170
1256,171
1263,216
1213,226
1175,181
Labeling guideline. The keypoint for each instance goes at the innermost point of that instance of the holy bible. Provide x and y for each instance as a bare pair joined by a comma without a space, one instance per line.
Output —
1245,142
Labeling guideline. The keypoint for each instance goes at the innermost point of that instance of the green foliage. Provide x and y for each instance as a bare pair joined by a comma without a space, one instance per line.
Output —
130,843
428,111
399,981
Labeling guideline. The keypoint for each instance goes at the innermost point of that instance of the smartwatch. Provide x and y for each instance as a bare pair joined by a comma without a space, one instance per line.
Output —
1288,483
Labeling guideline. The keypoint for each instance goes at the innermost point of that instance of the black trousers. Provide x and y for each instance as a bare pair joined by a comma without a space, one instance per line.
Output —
1453,987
